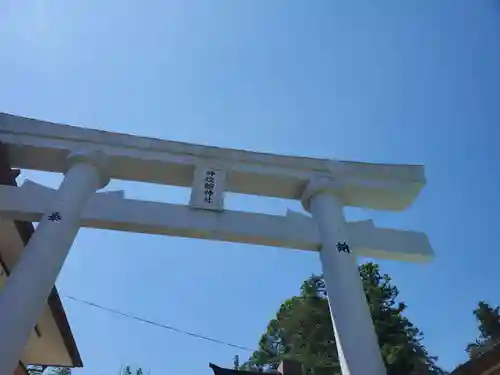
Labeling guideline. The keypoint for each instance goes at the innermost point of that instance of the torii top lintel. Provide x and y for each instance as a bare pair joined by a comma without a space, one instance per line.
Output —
41,145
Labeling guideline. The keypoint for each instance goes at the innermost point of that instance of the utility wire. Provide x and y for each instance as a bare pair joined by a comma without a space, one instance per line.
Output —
159,325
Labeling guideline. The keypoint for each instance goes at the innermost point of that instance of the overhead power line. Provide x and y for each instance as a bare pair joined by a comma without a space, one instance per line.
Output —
159,325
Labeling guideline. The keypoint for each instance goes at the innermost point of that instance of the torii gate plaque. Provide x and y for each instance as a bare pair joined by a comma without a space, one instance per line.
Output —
89,158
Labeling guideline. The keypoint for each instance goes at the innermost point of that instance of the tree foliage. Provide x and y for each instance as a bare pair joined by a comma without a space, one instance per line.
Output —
302,330
488,319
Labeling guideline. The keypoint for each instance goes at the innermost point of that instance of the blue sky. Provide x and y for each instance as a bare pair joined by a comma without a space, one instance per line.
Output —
411,81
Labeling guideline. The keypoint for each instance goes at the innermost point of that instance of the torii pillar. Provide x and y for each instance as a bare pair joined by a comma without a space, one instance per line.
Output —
27,288
357,343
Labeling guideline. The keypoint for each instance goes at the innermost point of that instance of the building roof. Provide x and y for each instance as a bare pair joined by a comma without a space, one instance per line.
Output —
52,342
286,367
483,364
226,371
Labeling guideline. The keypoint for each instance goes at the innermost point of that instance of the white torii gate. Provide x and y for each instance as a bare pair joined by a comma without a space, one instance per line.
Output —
89,158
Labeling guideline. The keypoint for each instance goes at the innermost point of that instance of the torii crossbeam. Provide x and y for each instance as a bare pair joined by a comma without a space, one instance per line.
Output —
89,158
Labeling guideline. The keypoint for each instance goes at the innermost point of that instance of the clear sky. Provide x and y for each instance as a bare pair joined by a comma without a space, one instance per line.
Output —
413,81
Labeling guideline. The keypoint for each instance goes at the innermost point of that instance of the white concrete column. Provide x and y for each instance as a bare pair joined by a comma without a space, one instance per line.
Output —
357,343
26,290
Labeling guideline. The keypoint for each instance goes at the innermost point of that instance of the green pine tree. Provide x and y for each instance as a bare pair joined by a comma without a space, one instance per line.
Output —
302,330
488,319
